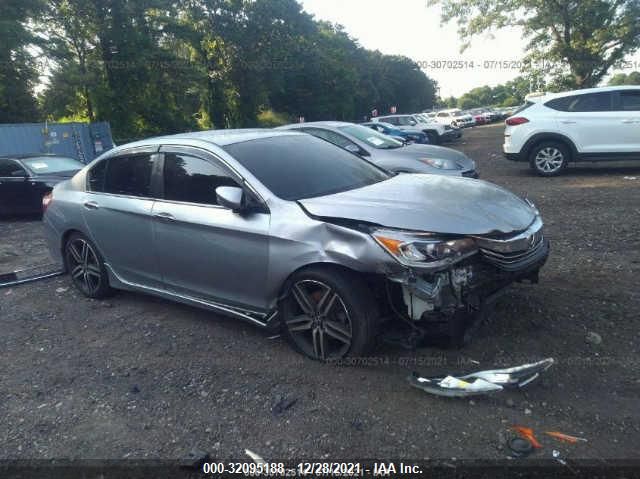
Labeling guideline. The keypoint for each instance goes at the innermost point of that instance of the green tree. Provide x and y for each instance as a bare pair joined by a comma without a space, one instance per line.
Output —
18,69
575,41
632,78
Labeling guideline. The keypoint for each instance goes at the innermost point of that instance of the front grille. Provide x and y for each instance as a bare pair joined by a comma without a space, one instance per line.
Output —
517,260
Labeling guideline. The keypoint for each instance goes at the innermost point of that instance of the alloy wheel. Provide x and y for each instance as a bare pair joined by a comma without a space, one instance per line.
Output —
549,159
319,323
84,266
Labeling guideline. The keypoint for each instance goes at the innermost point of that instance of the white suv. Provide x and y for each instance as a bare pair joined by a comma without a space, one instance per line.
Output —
455,117
551,130
436,132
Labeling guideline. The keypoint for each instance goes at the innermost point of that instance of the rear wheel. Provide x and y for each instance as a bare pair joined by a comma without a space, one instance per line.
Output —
86,267
549,158
329,314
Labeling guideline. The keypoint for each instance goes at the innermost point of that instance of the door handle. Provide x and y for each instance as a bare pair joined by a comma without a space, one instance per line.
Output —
91,205
164,216
630,121
568,122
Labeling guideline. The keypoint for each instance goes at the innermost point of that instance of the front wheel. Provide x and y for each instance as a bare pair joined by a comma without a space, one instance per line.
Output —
329,314
549,158
433,137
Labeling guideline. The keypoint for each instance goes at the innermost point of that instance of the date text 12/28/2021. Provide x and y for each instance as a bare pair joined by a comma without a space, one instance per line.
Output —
312,469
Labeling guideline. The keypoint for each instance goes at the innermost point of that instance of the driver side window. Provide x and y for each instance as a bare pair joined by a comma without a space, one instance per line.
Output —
193,180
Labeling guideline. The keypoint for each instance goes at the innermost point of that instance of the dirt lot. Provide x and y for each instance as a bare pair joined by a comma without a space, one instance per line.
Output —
141,377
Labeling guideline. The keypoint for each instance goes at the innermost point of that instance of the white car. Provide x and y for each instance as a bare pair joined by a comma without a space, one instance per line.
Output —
455,117
436,132
549,131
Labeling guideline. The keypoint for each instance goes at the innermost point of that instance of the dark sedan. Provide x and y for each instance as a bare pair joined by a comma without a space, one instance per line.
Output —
25,180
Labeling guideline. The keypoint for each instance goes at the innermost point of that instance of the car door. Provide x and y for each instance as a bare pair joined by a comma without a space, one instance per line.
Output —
14,188
117,208
590,121
206,250
627,103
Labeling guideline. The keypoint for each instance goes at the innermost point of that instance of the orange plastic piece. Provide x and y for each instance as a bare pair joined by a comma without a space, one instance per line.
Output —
564,437
527,433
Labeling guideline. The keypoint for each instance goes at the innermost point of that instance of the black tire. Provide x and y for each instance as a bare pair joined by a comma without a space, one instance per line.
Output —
549,158
434,139
323,336
85,265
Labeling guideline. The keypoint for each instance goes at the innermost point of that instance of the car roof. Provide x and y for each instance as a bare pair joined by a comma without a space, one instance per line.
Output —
218,138
26,156
584,91
331,124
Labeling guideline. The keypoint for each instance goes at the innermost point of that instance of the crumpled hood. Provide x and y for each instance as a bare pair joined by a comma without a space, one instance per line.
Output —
430,203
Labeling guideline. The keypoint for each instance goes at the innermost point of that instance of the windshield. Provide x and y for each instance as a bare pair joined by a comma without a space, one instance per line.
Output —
42,165
423,118
371,137
295,167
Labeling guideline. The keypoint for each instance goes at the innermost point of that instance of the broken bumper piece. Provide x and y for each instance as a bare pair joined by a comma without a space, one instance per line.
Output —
482,382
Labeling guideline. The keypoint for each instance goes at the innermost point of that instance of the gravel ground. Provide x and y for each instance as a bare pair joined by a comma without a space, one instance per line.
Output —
140,377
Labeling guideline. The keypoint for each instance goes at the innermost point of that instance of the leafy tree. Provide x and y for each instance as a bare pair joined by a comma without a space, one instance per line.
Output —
161,66
632,78
588,36
18,73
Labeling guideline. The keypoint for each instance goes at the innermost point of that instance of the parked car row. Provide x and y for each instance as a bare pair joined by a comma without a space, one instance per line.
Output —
307,229
458,118
436,133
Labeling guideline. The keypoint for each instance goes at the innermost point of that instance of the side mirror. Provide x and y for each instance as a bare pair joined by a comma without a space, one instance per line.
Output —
230,197
412,123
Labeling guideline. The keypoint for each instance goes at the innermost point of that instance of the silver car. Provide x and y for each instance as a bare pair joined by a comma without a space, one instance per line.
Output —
287,231
388,153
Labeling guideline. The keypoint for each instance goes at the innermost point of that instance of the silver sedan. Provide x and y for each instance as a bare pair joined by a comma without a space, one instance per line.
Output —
389,153
287,231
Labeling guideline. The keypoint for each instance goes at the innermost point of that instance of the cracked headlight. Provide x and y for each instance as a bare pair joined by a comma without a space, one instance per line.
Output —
424,249
440,163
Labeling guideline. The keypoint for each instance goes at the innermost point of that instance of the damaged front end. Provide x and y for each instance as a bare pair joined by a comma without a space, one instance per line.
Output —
449,280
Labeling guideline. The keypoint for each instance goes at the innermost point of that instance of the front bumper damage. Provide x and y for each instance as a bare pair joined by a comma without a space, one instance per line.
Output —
470,285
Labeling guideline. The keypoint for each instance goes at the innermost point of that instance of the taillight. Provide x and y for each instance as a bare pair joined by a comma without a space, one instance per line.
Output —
46,201
516,120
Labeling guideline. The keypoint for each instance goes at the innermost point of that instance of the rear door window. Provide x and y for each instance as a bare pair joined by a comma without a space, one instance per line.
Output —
590,102
630,100
11,168
193,180
129,175
96,176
